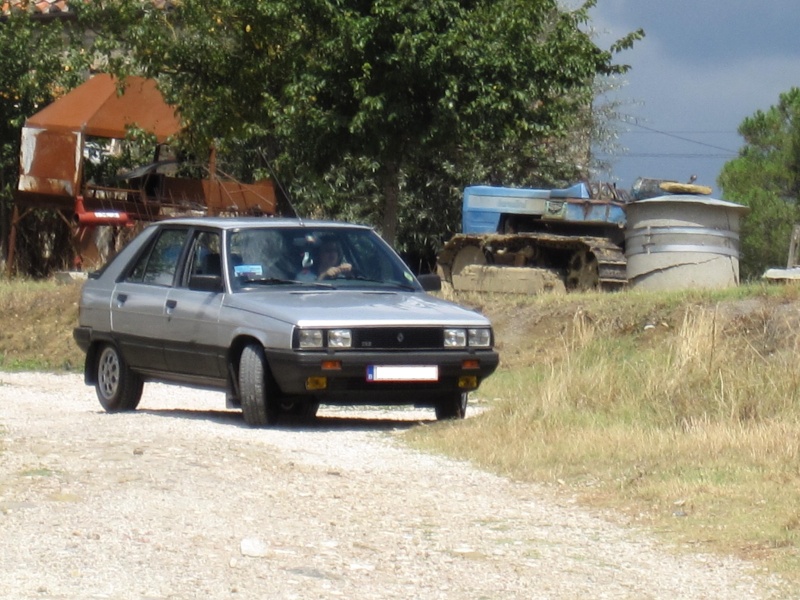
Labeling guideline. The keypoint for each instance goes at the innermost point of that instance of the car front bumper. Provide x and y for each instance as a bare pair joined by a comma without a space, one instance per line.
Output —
343,376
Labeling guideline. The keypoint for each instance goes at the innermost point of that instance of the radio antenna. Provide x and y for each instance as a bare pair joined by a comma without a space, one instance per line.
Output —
279,183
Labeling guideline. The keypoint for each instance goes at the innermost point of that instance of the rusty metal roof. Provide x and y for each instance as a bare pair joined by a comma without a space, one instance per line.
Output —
58,9
95,108
54,8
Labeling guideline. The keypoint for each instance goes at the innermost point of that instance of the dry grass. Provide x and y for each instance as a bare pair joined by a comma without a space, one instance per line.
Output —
678,411
38,318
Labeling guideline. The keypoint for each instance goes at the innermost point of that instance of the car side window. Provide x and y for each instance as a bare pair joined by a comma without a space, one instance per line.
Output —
158,266
204,257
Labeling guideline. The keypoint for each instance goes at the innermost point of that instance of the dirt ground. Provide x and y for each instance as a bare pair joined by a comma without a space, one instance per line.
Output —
181,500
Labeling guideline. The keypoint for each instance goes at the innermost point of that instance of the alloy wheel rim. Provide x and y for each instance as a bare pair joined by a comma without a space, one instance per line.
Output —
109,373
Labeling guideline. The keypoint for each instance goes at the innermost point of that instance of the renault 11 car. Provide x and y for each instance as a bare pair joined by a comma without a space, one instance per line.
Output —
280,314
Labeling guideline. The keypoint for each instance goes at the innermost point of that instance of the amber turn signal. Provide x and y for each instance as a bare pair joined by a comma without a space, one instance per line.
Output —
468,382
316,383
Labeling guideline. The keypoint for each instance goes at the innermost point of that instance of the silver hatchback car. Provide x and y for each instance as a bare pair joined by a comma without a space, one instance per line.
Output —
281,315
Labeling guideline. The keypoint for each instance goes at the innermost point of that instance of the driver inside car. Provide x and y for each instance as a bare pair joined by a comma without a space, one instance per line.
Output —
329,265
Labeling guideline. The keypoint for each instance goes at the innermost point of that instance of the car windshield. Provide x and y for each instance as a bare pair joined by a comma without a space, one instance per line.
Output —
315,257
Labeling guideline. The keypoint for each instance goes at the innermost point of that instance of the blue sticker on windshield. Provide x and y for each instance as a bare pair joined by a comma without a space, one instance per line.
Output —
248,270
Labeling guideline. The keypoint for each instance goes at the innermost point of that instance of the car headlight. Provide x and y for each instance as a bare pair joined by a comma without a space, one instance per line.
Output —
455,338
310,338
479,338
474,338
340,338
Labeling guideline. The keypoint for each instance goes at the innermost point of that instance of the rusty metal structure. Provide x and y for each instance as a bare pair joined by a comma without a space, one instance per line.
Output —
53,161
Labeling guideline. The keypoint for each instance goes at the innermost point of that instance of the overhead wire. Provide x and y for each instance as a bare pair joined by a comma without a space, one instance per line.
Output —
677,155
682,138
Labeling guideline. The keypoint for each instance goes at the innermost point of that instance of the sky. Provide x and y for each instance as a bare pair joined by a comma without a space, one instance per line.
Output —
702,68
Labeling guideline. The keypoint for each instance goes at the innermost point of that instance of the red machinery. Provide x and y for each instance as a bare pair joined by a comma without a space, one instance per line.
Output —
53,165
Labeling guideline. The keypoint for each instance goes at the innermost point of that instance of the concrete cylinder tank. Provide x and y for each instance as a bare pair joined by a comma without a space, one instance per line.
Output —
683,242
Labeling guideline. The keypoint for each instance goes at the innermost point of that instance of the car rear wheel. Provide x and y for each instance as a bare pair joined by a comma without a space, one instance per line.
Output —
257,390
118,388
452,406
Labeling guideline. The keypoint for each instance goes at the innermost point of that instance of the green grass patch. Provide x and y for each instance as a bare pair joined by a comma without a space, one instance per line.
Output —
16,365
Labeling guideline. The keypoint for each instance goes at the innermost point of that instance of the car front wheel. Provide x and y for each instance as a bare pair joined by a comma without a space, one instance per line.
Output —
452,406
257,390
118,388
304,410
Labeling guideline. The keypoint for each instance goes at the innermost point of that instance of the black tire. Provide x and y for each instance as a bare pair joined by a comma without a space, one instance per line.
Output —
300,409
452,406
118,388
310,412
257,390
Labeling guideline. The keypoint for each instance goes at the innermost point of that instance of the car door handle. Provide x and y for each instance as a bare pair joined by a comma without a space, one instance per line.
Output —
121,299
171,304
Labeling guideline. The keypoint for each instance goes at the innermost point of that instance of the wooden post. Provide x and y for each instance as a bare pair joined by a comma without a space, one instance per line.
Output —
794,247
213,200
12,242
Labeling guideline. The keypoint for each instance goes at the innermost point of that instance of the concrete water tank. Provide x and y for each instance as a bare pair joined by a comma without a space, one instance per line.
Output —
683,242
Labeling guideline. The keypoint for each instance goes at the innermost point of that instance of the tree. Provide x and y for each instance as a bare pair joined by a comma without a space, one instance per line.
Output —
29,80
766,177
409,101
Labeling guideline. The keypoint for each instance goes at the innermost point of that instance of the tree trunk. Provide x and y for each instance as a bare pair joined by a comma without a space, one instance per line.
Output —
390,185
5,205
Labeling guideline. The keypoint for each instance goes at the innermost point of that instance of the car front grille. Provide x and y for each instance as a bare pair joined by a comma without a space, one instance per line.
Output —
405,338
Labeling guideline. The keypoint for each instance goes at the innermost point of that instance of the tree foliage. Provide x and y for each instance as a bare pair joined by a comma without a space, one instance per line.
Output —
378,109
41,61
766,177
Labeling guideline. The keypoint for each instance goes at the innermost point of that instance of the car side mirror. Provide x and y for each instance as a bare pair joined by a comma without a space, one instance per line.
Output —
206,283
430,282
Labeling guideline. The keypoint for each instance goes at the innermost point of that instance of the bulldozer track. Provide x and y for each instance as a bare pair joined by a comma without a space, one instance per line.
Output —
543,250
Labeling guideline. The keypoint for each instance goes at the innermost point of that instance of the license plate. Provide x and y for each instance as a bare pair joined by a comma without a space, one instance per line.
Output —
402,373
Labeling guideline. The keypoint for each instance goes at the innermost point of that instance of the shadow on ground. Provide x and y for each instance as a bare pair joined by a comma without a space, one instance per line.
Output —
323,422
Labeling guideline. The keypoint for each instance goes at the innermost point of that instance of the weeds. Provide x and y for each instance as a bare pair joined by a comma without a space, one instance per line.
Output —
37,330
680,410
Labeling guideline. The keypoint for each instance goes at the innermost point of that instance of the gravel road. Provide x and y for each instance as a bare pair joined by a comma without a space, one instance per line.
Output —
181,500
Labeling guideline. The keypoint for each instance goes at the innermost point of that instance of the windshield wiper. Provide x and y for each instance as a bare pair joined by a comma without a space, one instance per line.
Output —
253,281
402,286
280,281
267,280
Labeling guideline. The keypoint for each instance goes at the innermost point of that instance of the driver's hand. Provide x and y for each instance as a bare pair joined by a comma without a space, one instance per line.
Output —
333,272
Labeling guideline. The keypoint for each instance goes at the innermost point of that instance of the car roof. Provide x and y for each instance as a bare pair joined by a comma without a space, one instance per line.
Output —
255,222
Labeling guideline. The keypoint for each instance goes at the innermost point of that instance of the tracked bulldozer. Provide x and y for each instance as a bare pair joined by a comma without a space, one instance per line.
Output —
538,240
535,240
